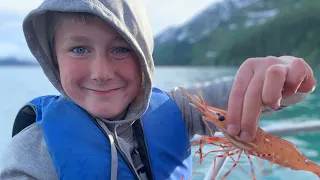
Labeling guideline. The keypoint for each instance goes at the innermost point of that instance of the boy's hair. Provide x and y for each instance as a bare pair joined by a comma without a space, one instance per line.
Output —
58,18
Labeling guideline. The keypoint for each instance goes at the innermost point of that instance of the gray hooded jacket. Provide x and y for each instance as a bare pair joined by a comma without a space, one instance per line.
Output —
27,156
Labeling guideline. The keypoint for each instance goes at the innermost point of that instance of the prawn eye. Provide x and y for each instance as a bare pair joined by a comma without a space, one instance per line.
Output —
220,117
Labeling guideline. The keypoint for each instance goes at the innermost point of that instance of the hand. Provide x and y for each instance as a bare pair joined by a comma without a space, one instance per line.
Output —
260,83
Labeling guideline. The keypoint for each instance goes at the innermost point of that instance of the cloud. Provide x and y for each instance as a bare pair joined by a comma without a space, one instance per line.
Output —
19,6
8,48
19,51
12,41
12,24
162,13
166,13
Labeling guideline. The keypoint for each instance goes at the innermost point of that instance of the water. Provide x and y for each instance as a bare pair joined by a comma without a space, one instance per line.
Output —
20,84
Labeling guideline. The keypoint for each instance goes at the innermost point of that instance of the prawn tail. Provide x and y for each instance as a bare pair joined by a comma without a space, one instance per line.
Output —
315,168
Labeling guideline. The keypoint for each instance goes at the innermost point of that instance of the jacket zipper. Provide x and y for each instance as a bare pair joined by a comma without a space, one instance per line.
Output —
136,176
145,148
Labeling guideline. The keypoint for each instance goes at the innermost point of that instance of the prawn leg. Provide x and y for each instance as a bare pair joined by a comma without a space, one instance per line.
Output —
207,140
214,151
251,164
260,162
234,165
221,156
215,163
265,171
268,170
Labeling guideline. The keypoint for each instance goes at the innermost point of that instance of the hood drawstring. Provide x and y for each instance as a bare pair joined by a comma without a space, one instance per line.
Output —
114,157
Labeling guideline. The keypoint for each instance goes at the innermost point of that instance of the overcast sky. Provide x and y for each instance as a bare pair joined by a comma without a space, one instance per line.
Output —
162,13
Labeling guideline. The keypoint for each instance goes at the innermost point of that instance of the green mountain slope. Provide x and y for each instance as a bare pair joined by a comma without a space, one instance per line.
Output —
289,33
229,32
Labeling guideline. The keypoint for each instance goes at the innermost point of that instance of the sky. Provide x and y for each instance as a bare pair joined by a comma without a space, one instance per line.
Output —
162,14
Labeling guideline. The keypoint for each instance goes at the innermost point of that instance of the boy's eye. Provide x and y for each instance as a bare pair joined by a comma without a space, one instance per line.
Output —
80,50
122,50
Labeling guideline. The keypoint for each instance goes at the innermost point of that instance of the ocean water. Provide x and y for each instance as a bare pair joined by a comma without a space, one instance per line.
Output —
20,84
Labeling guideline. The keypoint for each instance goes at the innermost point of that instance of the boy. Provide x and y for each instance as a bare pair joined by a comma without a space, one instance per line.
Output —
110,123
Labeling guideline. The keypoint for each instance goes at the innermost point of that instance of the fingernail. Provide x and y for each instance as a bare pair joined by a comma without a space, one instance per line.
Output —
311,91
277,105
245,136
232,129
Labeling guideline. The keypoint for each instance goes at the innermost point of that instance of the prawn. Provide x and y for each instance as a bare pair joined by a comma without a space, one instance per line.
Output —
265,146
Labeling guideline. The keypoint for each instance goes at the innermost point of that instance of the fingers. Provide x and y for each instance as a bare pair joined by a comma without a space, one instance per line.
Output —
309,83
297,67
236,99
252,108
262,82
275,79
296,75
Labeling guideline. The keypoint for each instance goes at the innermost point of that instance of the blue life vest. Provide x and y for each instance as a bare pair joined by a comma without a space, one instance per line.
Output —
80,150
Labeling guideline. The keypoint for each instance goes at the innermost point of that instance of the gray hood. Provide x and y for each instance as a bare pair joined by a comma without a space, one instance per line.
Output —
126,16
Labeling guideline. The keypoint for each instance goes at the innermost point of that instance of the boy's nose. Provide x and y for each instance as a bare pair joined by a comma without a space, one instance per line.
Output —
102,69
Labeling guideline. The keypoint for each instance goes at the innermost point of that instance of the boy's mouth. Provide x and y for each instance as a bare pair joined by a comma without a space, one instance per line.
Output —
103,92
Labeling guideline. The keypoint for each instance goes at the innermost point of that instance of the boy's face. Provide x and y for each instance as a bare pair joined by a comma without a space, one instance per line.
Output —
98,68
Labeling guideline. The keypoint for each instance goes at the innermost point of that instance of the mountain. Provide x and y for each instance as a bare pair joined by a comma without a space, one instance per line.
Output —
209,37
291,33
12,61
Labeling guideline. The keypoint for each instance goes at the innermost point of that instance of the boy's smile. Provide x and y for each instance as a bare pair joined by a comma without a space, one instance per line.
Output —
98,68
104,92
